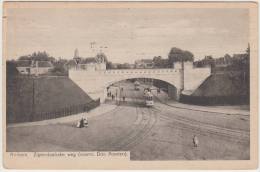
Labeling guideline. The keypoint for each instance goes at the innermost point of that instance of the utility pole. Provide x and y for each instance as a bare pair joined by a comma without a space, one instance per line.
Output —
182,75
33,104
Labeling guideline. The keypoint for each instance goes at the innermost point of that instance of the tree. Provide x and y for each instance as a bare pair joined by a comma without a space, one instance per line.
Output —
59,70
38,56
11,69
178,55
227,56
209,60
227,59
248,51
24,58
109,65
102,57
159,62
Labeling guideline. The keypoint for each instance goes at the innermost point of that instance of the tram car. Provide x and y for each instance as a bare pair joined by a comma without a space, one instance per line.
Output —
148,96
137,84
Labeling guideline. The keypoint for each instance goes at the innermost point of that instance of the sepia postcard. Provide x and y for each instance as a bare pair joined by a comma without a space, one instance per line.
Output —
130,85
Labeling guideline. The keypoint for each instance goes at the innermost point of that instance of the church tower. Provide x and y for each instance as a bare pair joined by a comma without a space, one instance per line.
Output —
76,53
76,56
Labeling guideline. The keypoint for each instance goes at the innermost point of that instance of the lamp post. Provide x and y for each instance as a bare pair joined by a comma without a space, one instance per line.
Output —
33,101
182,75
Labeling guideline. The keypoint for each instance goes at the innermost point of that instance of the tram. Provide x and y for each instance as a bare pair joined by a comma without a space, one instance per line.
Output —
137,84
148,96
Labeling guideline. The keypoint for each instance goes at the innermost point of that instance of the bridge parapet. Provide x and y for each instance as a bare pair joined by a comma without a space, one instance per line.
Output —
142,71
166,71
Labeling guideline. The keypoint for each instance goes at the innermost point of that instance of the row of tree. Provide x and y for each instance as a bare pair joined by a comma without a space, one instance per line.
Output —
38,56
235,62
175,55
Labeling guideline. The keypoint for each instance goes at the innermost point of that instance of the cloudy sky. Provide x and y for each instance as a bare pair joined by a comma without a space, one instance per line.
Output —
128,34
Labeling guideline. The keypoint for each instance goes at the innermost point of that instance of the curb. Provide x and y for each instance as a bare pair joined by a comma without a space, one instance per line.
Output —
199,110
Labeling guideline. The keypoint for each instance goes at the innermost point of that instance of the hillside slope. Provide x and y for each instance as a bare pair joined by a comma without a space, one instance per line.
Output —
222,85
50,94
225,88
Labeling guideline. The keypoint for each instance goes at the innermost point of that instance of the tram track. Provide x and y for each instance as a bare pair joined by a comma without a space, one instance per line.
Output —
139,131
202,127
148,117
194,109
202,123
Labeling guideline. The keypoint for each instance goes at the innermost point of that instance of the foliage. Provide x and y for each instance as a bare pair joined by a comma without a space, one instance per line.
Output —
59,70
178,55
38,56
159,62
109,65
237,62
123,66
102,57
227,56
11,69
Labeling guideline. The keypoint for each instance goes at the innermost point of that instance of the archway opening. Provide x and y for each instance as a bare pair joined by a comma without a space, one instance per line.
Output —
126,90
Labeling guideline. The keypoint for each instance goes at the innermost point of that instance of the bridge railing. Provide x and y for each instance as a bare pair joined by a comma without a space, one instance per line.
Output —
129,71
141,71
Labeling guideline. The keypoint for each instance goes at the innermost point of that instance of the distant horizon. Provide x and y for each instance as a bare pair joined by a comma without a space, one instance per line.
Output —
126,35
57,58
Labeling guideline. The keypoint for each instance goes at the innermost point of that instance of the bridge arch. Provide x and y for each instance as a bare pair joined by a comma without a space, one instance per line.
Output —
94,83
171,89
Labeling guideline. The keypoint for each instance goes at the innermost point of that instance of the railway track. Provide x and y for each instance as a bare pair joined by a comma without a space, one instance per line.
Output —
198,110
139,131
148,117
203,127
181,117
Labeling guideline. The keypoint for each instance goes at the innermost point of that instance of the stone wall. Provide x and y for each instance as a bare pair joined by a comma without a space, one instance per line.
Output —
95,83
194,77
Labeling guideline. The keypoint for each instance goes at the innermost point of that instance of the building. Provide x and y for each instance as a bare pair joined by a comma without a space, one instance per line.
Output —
32,67
89,63
144,64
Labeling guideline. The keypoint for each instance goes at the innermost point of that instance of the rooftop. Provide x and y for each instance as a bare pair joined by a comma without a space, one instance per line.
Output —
24,63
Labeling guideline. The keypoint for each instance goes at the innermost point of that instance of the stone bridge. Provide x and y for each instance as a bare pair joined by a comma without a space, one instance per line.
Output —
95,82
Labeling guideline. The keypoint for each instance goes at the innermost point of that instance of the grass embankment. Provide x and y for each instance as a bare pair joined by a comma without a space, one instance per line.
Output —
226,88
50,94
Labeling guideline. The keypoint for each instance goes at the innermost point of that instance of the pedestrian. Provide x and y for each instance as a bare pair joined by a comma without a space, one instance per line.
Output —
80,123
195,141
112,96
123,98
85,122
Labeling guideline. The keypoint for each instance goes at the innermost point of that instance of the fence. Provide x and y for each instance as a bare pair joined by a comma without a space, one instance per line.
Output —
67,111
217,100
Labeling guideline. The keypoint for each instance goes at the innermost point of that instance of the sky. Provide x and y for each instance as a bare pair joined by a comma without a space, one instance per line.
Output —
129,34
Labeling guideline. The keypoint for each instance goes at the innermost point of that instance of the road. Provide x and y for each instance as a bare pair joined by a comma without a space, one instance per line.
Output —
158,133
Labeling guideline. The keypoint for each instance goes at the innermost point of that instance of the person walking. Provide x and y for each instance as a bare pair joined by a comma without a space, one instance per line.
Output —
195,141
